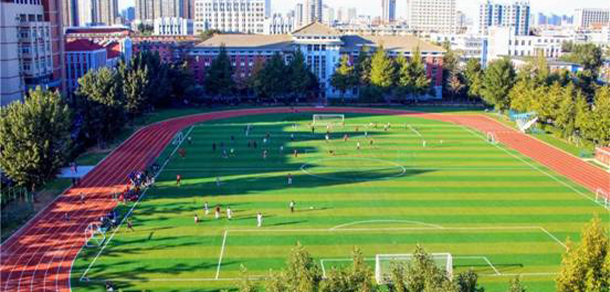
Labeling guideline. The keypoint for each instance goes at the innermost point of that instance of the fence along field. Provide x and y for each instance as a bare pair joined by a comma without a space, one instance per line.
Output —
491,208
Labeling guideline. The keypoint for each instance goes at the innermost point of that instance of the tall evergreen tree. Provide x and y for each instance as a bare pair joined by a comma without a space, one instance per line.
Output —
35,138
583,121
473,75
301,79
362,67
100,100
601,116
565,119
421,274
135,88
498,80
515,285
219,78
382,70
343,77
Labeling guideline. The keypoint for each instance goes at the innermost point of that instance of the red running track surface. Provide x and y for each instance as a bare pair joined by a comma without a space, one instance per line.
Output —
39,256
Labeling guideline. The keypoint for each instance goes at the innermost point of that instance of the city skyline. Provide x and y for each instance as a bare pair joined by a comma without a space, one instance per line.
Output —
469,7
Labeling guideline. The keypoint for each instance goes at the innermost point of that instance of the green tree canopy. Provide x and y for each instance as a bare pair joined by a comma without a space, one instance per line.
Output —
382,70
35,138
421,274
301,273
219,77
586,267
473,75
343,78
498,80
356,278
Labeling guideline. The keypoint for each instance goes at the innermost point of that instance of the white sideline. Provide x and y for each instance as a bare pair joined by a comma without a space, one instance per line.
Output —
540,170
222,251
130,211
385,221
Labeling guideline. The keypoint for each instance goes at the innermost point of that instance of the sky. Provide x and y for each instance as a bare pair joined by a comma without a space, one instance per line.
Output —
470,7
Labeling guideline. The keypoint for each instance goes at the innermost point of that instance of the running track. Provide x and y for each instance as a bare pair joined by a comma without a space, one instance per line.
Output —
39,256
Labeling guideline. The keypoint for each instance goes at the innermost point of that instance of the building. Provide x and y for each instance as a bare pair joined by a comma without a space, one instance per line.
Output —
245,16
322,47
173,26
328,14
395,29
515,15
279,24
388,11
299,17
312,11
171,49
470,46
119,37
149,10
70,12
352,14
504,42
588,17
431,15
461,22
29,49
94,12
81,56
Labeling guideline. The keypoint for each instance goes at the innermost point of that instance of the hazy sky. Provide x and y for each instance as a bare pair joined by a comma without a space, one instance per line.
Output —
470,7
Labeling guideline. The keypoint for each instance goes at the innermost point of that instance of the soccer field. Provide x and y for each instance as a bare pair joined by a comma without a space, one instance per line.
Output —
495,210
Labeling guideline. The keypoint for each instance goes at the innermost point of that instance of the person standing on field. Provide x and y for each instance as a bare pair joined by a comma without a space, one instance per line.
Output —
206,208
292,206
178,179
259,219
229,213
217,212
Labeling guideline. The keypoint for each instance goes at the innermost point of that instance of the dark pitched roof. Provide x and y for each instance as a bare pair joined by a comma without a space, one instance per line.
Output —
82,45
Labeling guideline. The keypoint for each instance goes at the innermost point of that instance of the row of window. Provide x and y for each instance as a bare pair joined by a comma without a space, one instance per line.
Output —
31,17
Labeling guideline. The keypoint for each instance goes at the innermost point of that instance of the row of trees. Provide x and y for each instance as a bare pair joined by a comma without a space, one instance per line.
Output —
379,76
274,79
585,267
109,97
44,132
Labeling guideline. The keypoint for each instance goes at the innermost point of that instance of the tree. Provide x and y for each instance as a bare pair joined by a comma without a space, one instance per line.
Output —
548,106
565,119
473,75
354,279
584,120
272,78
35,138
343,78
455,85
301,274
362,67
515,285
100,100
382,70
207,34
421,274
246,285
219,78
468,282
135,88
523,96
588,55
601,115
412,78
450,66
498,80
302,81
586,267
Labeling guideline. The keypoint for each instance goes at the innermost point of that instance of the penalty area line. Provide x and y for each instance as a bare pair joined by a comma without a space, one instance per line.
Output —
222,251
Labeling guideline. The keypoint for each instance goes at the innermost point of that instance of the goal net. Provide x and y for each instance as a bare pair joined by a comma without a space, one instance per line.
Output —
383,264
324,120
94,235
491,138
603,197
178,138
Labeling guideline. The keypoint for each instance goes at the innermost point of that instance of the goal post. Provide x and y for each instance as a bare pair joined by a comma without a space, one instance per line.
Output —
383,264
94,235
603,197
491,138
325,120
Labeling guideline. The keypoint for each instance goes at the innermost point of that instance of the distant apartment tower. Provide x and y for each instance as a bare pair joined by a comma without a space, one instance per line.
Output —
173,26
515,15
388,11
312,11
69,12
329,15
96,12
352,14
299,17
245,16
31,45
431,15
587,17
148,10
279,24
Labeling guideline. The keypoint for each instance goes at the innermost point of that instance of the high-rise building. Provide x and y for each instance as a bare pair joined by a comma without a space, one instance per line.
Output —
109,12
97,12
246,16
352,14
312,11
388,11
329,15
31,47
149,10
431,15
587,17
70,12
515,15
299,16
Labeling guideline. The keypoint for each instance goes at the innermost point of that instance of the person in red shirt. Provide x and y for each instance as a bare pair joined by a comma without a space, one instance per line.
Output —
178,178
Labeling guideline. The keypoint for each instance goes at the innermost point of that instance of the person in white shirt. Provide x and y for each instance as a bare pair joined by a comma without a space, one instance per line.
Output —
259,219
229,213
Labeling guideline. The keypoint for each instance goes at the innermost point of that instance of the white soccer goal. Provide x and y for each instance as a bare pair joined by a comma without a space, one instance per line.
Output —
603,197
324,120
94,235
383,264
491,138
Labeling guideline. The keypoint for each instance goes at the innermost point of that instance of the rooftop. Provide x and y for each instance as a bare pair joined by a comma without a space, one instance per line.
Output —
80,45
280,41
316,28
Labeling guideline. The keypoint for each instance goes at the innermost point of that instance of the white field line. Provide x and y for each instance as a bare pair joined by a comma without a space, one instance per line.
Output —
222,251
540,170
339,168
415,131
553,237
130,210
386,221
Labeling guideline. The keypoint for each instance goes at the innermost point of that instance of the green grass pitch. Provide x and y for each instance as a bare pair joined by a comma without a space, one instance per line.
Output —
485,204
